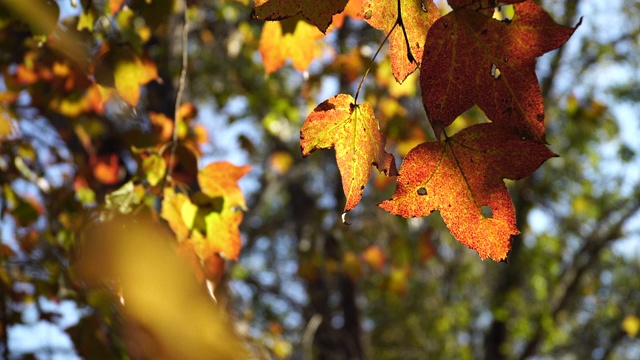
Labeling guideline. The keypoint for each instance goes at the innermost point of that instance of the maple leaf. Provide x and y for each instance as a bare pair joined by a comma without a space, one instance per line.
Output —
221,179
409,22
318,12
355,134
472,59
176,209
463,178
121,68
292,38
209,221
352,10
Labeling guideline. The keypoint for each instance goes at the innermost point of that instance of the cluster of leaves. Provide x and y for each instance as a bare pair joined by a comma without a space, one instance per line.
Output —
80,85
467,57
114,142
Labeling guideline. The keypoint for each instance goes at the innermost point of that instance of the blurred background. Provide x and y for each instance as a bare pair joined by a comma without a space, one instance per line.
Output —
305,285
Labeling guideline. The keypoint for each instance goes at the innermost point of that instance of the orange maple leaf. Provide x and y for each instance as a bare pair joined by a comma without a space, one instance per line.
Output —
209,222
352,10
463,178
318,12
470,58
409,22
355,134
220,180
292,38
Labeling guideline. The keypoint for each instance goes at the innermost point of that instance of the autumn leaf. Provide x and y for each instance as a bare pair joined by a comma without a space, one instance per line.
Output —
352,10
288,39
472,59
7,126
220,180
176,210
317,12
375,257
413,18
121,68
355,134
154,168
463,178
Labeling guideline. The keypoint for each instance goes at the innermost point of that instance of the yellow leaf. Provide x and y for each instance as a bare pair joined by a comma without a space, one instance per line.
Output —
289,39
355,134
631,325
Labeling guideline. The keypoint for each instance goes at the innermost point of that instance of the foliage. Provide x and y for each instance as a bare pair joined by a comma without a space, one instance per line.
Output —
123,199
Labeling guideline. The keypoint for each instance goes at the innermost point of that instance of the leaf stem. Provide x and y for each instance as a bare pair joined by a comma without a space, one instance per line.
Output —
399,21
371,63
179,93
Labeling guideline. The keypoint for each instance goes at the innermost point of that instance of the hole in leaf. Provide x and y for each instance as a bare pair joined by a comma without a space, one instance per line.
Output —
495,72
504,13
446,24
487,211
422,191
367,14
423,7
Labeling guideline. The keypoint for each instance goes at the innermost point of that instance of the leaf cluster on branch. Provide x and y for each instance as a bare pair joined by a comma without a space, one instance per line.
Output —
467,57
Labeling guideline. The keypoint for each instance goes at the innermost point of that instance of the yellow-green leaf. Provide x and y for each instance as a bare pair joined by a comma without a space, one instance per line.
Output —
355,134
154,168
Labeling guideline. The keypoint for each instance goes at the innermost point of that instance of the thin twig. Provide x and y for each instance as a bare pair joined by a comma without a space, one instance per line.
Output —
179,93
309,334
371,63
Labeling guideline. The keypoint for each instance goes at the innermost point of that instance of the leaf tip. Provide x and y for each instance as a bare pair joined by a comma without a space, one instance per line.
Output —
344,218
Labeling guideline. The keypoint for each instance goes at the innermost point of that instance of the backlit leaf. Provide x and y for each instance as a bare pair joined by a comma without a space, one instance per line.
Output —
472,59
154,168
6,124
288,39
631,325
355,134
121,68
462,177
220,180
124,198
417,17
174,205
318,12
352,10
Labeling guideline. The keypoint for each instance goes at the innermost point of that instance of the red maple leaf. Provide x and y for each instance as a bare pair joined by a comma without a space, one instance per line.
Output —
318,12
470,58
355,134
408,22
462,177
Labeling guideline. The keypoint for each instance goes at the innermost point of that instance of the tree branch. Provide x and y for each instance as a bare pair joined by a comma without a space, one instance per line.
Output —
180,91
